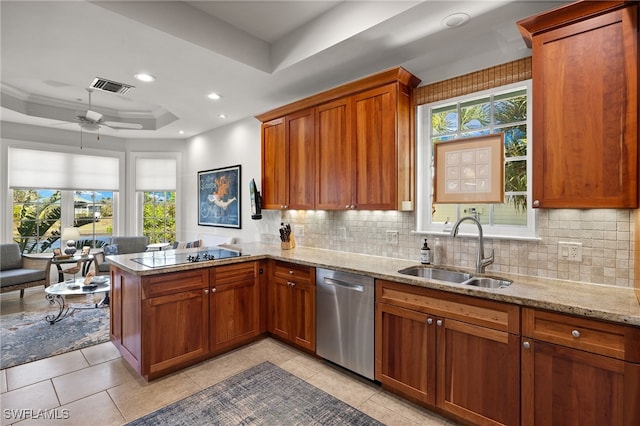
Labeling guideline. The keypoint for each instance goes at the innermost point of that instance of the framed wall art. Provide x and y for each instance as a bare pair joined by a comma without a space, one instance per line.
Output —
470,170
219,197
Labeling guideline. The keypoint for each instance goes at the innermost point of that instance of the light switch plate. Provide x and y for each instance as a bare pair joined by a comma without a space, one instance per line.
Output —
571,252
392,237
342,233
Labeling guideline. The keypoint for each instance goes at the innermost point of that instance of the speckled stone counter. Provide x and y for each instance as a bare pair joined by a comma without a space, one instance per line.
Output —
610,303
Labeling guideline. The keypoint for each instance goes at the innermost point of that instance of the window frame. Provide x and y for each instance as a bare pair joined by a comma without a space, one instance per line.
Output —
424,171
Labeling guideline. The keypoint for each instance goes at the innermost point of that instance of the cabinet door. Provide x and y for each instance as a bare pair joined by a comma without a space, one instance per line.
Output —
478,373
406,352
335,156
175,330
303,315
274,161
375,145
279,308
234,305
300,137
585,121
564,386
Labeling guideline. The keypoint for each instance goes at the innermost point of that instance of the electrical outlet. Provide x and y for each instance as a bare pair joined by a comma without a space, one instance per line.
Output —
342,233
571,252
298,230
392,237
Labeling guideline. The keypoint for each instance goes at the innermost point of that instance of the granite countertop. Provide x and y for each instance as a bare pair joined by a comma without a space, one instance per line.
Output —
612,303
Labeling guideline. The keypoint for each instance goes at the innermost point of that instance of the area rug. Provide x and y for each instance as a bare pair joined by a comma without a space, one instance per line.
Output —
27,336
262,395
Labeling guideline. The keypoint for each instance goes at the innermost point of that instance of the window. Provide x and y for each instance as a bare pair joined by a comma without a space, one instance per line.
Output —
38,213
505,109
159,216
93,216
36,220
156,182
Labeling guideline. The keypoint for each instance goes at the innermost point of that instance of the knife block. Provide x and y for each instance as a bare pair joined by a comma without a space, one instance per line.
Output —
288,245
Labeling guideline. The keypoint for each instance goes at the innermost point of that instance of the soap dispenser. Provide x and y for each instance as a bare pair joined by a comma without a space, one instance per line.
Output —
425,253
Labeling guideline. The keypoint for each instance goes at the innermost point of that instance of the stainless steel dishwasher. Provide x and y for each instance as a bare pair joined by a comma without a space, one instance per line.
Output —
345,313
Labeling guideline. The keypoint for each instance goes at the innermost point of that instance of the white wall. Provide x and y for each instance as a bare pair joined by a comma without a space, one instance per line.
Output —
237,143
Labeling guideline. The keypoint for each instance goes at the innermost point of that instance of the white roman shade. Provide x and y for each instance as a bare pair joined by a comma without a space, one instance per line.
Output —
30,168
156,174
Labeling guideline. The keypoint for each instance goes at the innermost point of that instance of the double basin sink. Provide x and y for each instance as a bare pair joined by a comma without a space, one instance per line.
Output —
455,277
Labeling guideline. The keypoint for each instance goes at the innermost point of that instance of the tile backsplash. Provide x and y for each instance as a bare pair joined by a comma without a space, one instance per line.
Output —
606,236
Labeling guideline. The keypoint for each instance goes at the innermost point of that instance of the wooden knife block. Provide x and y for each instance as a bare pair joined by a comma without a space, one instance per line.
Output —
288,245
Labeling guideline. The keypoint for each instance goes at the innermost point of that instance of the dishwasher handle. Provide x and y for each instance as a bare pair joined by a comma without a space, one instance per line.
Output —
343,284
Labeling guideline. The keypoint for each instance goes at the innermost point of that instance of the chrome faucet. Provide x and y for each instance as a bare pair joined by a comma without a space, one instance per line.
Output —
481,261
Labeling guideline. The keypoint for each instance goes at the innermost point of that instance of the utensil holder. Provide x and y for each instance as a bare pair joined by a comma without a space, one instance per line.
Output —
288,245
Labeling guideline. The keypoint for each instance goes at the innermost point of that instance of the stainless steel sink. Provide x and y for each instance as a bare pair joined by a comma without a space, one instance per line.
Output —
488,282
455,277
436,274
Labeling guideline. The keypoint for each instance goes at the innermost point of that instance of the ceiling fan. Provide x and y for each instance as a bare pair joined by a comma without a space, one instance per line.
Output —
92,120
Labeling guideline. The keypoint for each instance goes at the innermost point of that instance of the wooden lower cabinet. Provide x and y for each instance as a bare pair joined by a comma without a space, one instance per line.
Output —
457,353
291,304
165,322
578,371
234,305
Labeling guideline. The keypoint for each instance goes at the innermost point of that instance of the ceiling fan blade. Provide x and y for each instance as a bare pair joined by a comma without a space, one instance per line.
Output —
122,125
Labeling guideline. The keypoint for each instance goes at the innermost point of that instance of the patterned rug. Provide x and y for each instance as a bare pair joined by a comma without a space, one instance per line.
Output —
262,395
27,336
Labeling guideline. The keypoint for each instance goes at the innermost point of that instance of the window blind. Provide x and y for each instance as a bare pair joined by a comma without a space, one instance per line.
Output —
156,174
30,168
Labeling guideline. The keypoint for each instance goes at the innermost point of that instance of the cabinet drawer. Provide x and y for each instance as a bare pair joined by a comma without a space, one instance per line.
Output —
234,272
614,340
164,284
486,313
293,271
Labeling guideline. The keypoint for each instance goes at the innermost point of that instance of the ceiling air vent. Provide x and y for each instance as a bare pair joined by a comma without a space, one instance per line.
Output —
110,86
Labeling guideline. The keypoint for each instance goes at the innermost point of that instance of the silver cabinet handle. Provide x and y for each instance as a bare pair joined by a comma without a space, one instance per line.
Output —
429,321
575,333
213,290
439,323
290,272
536,203
206,291
526,345
339,283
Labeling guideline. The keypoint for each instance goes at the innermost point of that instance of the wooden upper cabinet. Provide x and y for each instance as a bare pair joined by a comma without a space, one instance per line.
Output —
335,153
288,164
363,143
274,160
376,149
300,129
585,105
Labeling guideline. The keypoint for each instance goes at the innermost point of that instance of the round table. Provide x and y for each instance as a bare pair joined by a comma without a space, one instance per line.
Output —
56,293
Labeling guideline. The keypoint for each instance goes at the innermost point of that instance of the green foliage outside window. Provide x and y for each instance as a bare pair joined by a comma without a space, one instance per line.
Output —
159,216
503,113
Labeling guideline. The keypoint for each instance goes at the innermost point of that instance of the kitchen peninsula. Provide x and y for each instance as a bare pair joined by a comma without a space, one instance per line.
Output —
166,318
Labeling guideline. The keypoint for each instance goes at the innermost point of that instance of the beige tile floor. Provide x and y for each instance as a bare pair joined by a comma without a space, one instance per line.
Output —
95,386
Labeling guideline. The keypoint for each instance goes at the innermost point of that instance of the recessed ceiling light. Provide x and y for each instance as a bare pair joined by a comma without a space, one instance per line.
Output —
455,20
147,78
181,132
214,96
222,116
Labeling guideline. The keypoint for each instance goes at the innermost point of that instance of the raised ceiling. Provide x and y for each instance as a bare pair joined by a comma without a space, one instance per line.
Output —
256,54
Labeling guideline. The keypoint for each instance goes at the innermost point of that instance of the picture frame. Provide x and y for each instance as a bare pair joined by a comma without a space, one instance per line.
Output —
469,170
219,197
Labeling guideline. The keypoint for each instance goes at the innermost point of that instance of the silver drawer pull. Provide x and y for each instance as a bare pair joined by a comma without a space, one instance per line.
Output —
429,321
575,333
526,345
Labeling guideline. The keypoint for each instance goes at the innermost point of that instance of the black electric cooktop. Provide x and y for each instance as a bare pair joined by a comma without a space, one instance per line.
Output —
158,259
